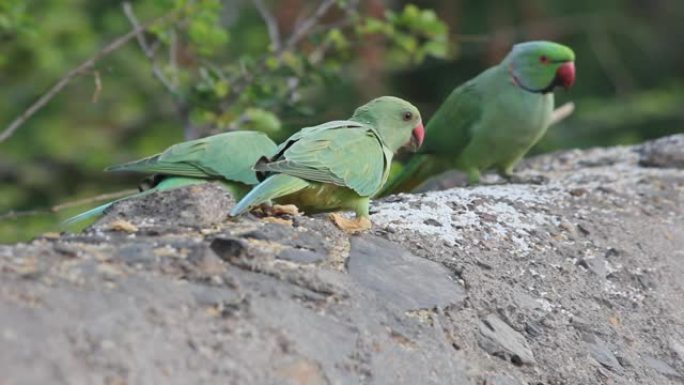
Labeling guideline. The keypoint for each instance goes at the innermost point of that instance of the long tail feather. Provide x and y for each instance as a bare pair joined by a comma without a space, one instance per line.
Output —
272,187
140,164
166,184
92,213
418,169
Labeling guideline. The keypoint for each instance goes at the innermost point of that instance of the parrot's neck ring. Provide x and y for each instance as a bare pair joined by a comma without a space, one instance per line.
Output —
518,83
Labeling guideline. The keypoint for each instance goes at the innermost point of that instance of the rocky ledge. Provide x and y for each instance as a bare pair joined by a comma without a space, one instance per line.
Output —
577,278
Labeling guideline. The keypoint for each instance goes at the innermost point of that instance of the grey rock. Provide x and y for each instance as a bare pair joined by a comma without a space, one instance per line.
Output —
624,361
300,255
398,277
136,253
534,329
500,379
270,232
600,351
678,347
229,248
432,222
499,339
446,180
200,205
525,300
666,152
596,265
662,367
300,238
646,280
195,297
584,325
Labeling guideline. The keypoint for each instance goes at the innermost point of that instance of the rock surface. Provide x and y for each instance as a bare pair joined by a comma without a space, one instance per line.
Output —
576,279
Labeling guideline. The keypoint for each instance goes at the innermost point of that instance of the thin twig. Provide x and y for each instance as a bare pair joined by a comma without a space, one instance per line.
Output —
147,50
82,68
297,35
12,214
308,23
173,55
63,206
271,24
182,108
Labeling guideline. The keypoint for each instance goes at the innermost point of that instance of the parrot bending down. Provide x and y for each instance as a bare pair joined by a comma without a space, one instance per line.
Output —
340,164
226,157
492,120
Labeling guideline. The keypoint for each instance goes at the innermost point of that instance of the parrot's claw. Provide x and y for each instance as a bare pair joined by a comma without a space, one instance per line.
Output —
350,226
277,210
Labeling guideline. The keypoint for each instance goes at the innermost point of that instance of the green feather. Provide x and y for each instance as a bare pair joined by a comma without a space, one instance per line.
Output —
490,121
227,156
273,187
349,157
339,164
166,184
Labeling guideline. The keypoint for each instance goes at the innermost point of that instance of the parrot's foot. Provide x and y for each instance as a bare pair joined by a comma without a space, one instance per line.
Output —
350,226
279,210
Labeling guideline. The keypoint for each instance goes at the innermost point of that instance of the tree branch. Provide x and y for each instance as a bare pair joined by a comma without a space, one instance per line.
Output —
147,50
300,32
82,68
271,24
63,206
182,107
305,26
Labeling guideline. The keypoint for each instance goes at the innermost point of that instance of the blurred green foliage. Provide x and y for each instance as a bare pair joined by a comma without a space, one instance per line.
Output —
217,66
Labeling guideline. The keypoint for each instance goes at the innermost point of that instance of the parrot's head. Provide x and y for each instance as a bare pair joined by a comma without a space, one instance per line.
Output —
541,66
397,121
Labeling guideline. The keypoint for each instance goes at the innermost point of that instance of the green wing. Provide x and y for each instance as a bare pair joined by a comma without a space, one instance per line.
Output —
344,154
230,155
306,131
451,128
447,134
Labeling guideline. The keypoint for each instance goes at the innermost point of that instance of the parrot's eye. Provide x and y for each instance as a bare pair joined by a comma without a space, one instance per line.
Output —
543,59
407,116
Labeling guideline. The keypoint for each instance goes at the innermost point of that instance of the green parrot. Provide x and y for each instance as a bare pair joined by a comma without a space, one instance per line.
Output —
338,165
492,120
226,157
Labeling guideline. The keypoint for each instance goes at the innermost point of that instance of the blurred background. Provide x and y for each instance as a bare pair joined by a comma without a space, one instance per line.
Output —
206,66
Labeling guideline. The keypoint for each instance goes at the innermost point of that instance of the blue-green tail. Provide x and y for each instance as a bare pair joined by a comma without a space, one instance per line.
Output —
165,184
274,186
417,170
92,213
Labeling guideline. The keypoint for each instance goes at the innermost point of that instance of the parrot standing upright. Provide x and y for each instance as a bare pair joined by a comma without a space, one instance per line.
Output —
492,120
340,164
226,157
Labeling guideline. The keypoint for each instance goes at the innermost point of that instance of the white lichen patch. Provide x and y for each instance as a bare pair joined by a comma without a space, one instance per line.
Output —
490,214
519,215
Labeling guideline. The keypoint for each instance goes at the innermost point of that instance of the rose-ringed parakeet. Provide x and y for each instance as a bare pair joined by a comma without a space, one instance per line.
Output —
492,120
338,165
226,157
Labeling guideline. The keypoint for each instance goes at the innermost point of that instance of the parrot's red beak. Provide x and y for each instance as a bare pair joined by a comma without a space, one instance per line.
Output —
417,136
565,75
